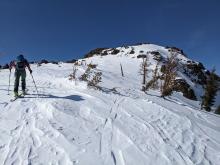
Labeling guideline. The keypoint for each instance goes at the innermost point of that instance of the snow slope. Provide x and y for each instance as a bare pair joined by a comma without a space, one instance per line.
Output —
70,124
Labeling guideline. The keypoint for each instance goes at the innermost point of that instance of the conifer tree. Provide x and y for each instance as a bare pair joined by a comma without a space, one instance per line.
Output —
217,111
153,83
143,69
169,75
155,77
211,89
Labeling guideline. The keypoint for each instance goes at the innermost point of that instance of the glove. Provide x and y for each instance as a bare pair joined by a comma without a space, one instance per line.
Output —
30,71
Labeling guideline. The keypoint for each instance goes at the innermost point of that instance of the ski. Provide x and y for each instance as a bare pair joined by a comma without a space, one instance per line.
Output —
15,98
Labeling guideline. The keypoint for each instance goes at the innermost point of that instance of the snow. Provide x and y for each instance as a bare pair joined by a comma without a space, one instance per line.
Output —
71,124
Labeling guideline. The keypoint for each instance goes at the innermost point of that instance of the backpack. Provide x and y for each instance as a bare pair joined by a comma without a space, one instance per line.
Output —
20,63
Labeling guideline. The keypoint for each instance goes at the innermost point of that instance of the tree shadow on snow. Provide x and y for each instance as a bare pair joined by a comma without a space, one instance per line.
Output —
110,91
155,95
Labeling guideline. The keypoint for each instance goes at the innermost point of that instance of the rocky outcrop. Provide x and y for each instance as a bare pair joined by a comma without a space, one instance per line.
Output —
181,85
196,72
175,49
97,51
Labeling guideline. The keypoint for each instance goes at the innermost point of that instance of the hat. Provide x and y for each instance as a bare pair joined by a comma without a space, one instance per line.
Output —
20,58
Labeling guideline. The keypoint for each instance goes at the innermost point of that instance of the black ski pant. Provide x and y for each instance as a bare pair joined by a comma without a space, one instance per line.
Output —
20,74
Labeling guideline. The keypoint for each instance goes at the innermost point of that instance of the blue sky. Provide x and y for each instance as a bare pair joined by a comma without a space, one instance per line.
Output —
68,29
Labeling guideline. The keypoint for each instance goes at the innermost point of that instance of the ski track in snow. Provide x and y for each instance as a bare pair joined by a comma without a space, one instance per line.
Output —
70,124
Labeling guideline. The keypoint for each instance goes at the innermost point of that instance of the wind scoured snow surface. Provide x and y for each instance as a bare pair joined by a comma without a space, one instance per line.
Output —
71,124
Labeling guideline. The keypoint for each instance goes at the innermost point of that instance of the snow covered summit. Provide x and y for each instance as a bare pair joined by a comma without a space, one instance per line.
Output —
191,75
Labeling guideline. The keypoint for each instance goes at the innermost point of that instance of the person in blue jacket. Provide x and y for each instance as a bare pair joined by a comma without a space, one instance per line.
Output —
20,64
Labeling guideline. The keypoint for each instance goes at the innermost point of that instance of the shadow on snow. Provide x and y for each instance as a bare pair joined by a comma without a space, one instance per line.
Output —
70,97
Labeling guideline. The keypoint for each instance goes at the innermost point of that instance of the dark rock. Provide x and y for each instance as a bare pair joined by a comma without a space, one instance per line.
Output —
141,56
175,49
43,62
71,61
132,52
104,53
196,72
156,55
126,47
142,43
97,51
54,62
181,85
115,51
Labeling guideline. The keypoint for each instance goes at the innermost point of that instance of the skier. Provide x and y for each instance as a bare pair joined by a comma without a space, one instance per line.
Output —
20,64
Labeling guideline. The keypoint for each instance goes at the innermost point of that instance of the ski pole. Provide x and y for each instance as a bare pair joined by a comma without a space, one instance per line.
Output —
9,82
35,84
